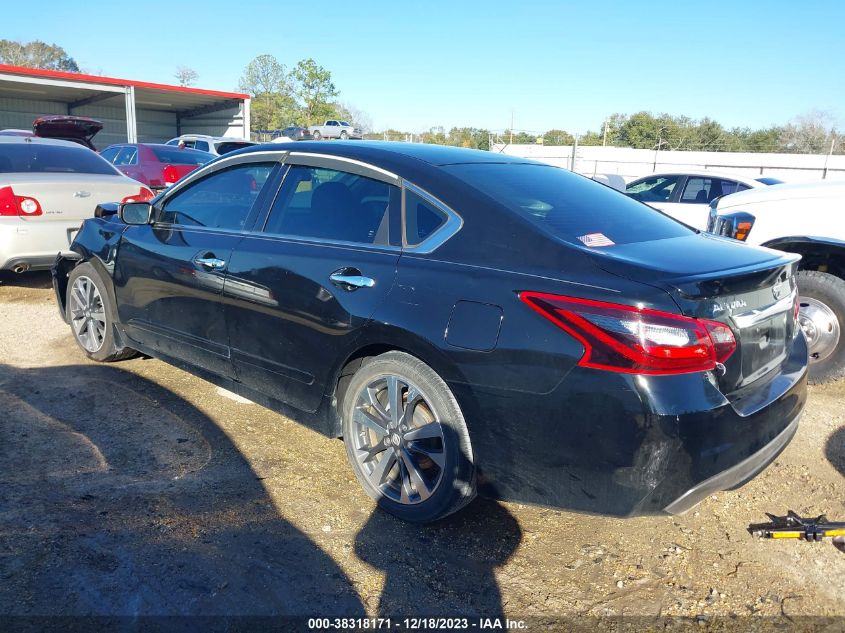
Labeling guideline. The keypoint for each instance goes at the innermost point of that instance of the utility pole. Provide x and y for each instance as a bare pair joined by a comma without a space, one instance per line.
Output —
511,126
604,138
826,158
574,152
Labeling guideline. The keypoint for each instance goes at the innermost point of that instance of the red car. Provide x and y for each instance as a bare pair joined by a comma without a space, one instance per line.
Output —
157,166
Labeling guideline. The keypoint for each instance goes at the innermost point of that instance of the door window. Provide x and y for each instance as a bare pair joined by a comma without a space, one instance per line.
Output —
110,153
201,145
126,156
332,205
657,189
222,200
705,190
732,186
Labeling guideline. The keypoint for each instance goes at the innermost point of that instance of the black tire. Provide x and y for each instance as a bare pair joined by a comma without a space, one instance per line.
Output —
316,136
455,481
344,135
98,340
829,291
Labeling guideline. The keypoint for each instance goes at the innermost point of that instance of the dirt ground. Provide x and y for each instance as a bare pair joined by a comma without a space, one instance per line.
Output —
137,489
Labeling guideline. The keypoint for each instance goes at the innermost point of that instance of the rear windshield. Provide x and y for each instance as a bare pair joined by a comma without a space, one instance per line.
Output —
35,157
176,156
568,206
231,146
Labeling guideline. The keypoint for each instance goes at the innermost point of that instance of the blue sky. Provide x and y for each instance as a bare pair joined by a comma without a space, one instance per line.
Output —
412,65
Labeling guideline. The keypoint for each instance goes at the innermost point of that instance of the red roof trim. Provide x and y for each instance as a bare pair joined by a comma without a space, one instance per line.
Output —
114,81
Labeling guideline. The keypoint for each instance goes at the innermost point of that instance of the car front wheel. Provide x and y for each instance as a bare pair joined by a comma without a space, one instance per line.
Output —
406,439
316,136
344,135
822,317
89,314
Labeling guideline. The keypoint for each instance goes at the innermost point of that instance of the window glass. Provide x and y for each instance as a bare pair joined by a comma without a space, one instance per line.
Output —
657,189
109,153
731,186
229,146
183,156
570,207
705,190
200,145
331,123
37,157
127,156
332,205
421,218
222,200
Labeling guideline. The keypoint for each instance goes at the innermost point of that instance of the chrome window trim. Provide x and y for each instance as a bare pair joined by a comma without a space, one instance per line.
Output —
222,163
341,163
442,234
319,241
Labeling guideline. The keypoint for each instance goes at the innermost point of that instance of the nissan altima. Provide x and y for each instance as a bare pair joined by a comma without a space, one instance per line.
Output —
465,321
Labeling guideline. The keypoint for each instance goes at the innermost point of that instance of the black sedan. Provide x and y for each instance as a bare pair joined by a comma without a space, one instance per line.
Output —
466,321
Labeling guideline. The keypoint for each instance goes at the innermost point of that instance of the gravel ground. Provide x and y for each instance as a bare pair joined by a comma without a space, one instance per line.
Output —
137,489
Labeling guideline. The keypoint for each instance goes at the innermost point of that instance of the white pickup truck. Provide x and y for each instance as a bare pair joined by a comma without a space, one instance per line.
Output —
333,128
808,219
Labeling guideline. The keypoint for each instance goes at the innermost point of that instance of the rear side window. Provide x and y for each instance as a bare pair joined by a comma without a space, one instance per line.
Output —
35,157
705,190
109,153
332,205
200,145
658,189
227,146
222,200
731,186
176,156
127,156
421,218
570,207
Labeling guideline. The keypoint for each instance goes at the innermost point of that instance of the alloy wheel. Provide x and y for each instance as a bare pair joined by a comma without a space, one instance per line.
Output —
87,314
398,440
820,326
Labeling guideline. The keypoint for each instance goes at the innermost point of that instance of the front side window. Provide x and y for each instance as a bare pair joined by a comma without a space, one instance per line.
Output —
332,123
328,204
657,189
731,186
222,200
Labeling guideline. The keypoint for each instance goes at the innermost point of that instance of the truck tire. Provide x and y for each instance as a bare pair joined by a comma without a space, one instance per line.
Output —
822,317
316,135
344,135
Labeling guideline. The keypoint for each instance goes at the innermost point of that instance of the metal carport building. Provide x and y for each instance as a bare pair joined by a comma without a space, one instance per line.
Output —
131,111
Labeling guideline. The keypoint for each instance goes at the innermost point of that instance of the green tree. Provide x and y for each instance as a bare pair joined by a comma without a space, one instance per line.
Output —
312,85
265,79
558,137
36,54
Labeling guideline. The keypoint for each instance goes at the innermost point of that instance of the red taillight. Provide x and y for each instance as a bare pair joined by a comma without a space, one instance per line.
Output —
24,206
636,340
143,195
171,174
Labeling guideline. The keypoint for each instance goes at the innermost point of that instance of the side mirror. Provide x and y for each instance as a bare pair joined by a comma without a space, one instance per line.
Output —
105,209
136,212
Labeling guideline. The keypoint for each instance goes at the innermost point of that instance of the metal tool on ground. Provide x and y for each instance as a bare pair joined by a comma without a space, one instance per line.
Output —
794,527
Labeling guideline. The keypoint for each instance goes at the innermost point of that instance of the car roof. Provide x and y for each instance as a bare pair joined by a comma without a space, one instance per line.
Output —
377,152
38,140
705,173
790,191
206,137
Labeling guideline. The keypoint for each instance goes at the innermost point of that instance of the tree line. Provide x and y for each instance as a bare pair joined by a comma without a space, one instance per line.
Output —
305,94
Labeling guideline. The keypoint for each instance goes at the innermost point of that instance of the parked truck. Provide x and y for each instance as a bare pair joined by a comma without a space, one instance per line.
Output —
333,128
803,218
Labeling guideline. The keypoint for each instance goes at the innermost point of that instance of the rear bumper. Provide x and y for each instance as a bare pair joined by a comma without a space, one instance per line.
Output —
34,244
623,445
736,475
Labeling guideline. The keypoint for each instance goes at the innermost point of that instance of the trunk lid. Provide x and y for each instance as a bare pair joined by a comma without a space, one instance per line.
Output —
751,289
71,196
71,128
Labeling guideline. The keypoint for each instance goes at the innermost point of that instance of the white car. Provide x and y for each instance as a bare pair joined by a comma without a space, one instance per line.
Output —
47,187
217,145
807,219
686,196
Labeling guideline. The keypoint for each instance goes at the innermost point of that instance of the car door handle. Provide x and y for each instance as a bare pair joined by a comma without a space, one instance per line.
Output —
211,263
351,282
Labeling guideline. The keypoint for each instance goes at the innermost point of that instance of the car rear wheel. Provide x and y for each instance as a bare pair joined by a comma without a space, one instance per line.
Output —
822,317
406,439
344,135
89,314
317,136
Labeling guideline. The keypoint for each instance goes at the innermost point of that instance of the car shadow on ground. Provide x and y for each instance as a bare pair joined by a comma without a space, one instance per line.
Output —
444,569
118,497
834,450
40,279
